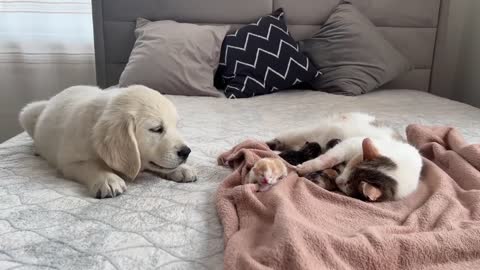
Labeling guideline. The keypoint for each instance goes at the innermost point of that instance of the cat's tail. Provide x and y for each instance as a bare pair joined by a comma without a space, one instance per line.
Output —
29,115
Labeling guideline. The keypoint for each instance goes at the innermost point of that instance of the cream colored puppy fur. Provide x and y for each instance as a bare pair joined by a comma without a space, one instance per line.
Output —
95,137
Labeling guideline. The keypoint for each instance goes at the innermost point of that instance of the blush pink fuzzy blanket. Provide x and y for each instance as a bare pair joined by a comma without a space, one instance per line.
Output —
298,225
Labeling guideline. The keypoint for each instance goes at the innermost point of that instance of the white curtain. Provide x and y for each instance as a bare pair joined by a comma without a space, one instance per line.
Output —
45,46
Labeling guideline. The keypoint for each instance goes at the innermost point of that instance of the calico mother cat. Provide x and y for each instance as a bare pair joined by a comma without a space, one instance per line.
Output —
380,165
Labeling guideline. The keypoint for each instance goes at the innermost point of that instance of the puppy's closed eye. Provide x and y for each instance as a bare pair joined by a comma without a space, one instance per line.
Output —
158,129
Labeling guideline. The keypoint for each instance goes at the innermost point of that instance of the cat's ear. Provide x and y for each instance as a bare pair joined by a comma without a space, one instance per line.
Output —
371,192
370,152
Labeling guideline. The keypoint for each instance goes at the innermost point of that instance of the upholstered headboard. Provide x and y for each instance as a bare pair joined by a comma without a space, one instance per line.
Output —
411,25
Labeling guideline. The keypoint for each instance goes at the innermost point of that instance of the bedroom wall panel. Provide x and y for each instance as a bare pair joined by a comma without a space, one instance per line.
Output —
410,25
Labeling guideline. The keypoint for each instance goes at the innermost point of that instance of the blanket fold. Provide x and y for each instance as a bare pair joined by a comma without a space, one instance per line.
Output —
298,225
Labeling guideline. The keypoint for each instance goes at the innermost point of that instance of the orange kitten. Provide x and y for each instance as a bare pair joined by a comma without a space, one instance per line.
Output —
267,172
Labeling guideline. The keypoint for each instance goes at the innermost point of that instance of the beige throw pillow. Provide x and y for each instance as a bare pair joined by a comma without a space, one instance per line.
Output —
175,58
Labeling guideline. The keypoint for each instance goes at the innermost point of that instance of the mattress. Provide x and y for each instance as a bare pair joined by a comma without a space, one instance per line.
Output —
48,222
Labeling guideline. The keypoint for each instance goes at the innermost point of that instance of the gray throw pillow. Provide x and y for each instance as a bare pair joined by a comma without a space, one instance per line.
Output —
175,58
352,55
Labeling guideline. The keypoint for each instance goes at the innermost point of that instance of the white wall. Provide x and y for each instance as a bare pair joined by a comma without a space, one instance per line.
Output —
467,74
457,64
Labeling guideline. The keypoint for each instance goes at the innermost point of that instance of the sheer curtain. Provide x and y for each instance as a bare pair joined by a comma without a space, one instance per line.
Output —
45,46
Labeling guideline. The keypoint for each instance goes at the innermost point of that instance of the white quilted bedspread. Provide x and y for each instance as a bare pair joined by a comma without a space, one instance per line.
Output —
48,222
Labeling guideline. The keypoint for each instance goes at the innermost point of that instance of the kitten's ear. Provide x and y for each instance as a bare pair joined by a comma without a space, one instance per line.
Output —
371,192
370,152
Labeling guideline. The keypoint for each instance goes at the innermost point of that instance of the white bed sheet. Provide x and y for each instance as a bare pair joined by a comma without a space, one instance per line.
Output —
48,222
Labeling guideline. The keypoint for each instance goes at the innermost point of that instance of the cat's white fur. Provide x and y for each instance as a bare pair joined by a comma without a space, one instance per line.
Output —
336,126
352,129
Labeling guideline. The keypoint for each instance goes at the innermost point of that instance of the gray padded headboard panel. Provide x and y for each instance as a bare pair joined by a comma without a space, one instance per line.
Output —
411,26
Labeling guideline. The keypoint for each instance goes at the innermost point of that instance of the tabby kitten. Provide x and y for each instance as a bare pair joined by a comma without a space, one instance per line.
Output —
311,150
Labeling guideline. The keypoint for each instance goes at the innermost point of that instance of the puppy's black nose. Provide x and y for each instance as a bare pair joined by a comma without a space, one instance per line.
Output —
184,152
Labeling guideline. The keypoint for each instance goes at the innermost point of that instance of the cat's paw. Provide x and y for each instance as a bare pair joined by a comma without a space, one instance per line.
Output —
303,169
318,164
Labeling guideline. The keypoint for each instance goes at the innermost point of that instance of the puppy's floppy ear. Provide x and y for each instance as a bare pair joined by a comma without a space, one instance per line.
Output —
115,142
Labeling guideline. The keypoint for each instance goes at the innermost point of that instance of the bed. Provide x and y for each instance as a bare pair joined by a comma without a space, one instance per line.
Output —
48,222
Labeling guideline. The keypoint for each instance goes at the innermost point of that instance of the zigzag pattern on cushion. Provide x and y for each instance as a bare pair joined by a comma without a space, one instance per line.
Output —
259,51
254,64
243,44
267,73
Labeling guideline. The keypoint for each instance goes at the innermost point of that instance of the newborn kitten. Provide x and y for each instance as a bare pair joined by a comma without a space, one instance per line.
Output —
379,164
307,152
267,172
325,178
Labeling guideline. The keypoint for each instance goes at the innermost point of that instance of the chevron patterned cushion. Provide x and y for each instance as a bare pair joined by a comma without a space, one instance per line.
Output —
261,58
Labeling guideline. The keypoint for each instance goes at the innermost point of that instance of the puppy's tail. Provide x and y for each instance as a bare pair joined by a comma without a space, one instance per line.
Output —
28,117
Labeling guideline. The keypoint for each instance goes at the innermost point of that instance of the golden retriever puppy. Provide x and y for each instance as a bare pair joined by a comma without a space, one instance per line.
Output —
95,137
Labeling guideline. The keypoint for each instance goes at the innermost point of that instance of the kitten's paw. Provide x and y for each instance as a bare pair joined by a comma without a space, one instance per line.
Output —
111,186
184,174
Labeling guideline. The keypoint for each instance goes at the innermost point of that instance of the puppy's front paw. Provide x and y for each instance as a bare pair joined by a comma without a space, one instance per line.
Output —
183,174
111,186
